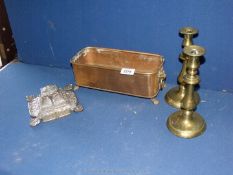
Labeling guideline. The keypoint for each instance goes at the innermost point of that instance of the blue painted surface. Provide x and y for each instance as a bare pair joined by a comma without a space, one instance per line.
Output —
115,134
50,32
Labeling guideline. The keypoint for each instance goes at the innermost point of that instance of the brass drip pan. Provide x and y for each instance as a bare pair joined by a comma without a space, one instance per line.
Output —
121,71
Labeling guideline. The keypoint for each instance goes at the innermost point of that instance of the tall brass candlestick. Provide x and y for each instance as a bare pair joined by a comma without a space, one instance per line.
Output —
175,95
186,123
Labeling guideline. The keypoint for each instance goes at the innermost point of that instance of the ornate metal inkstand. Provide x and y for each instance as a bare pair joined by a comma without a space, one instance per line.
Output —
186,123
175,95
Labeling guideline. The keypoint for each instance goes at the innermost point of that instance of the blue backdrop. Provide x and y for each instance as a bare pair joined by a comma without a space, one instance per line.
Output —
51,32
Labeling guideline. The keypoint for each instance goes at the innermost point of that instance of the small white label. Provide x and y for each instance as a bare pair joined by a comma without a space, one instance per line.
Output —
127,71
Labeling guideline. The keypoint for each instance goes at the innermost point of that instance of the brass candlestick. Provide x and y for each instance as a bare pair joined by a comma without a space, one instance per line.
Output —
186,123
175,95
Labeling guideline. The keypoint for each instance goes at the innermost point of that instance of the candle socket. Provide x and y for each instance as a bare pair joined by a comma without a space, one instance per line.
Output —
186,122
175,95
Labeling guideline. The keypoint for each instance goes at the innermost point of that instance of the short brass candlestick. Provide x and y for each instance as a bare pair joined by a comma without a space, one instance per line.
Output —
175,95
186,123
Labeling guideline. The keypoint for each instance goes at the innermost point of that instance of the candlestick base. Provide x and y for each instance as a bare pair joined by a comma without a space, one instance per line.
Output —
175,95
186,124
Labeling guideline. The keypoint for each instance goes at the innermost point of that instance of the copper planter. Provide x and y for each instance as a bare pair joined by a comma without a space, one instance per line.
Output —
121,71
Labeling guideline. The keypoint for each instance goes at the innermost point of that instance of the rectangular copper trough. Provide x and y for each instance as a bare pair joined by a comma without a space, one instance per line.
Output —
128,72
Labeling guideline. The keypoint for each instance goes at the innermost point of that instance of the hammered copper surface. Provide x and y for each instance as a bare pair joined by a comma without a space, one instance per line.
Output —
100,68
